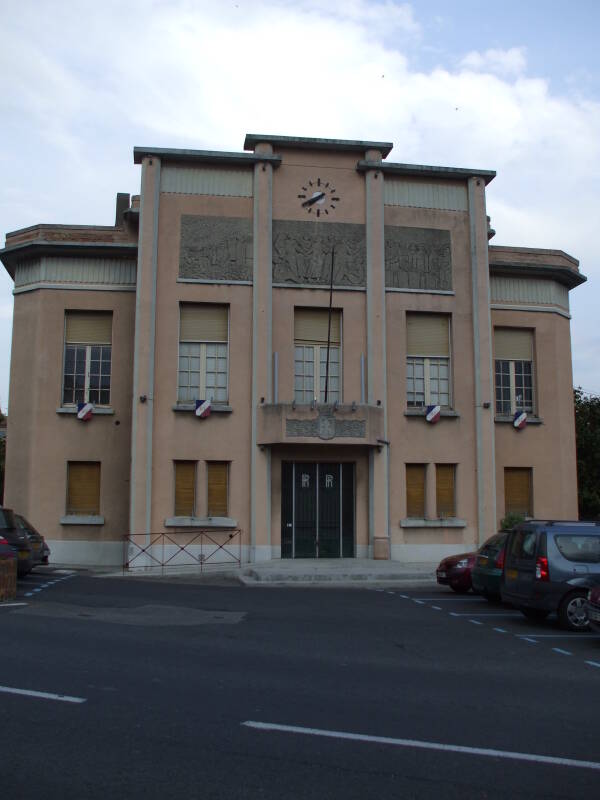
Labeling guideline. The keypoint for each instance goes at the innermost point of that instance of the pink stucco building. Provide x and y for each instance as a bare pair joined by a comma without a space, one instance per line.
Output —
368,358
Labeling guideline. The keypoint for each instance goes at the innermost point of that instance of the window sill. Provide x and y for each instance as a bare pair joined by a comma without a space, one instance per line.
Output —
448,522
214,409
82,519
200,522
421,412
98,410
530,420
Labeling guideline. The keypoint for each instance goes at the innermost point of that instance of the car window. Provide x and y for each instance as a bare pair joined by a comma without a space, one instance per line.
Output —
523,544
584,549
497,540
6,519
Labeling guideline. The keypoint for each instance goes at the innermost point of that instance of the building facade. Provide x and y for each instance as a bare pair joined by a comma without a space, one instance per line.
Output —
381,381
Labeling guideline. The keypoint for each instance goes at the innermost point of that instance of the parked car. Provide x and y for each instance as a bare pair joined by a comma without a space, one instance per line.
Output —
7,551
38,544
455,572
487,571
549,567
18,539
593,608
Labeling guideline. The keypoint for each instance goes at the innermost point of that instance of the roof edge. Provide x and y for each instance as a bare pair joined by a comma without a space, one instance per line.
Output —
310,143
568,277
39,247
205,156
427,171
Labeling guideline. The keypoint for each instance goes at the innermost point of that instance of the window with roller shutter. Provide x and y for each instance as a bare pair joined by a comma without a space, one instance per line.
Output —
87,357
415,491
428,360
514,371
311,333
445,490
217,474
203,352
185,488
517,491
83,488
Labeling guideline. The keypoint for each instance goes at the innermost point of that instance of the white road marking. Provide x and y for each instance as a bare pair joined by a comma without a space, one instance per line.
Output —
455,598
420,602
388,592
437,608
485,614
64,698
562,652
527,639
12,605
593,663
500,630
415,743
582,636
476,622
404,597
29,594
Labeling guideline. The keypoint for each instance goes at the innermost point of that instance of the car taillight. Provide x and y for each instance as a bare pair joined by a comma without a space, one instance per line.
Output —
3,540
541,569
499,562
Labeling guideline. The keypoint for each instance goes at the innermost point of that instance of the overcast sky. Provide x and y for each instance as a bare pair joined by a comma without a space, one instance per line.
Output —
510,86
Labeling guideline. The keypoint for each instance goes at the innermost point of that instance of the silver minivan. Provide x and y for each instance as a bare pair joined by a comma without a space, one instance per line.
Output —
549,567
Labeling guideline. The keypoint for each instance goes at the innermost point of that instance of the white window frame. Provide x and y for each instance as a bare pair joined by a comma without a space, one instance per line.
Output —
427,379
202,356
513,387
318,349
88,364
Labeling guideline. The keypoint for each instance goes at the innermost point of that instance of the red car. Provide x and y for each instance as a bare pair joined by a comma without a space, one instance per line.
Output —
455,572
593,608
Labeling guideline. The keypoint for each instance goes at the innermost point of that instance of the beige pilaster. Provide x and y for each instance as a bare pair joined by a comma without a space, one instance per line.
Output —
482,361
376,356
144,351
262,355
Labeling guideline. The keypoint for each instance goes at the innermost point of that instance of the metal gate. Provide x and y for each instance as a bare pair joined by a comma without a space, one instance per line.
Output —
317,510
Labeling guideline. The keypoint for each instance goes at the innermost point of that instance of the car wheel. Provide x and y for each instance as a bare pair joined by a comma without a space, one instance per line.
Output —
459,589
571,612
534,613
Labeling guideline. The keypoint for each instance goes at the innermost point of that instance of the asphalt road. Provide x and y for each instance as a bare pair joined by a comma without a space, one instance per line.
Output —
179,690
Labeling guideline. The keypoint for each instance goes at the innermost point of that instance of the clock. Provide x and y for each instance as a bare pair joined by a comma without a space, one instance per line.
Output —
318,196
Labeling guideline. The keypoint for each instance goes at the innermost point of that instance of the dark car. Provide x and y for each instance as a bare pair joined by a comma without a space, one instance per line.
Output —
487,571
18,539
7,552
455,572
38,544
549,568
593,608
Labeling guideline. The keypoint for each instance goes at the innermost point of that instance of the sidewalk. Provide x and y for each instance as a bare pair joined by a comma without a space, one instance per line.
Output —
293,572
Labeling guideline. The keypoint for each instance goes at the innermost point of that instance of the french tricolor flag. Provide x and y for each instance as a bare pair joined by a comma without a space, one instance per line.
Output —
202,408
432,414
85,411
520,420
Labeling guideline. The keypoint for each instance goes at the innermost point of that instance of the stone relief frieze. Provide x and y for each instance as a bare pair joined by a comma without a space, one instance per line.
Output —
302,253
417,258
215,248
326,427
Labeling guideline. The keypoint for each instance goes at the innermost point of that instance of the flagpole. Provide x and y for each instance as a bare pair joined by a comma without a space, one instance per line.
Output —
329,325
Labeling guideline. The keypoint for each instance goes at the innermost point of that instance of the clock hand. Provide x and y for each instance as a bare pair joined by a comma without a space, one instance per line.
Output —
314,199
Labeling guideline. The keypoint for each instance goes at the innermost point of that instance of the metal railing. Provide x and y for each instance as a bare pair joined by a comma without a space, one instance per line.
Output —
199,547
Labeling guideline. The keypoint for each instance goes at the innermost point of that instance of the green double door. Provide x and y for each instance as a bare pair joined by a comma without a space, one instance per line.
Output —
317,510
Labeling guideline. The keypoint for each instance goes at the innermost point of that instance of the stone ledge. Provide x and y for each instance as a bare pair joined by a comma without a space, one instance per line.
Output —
98,410
214,409
200,522
82,519
421,412
530,420
451,522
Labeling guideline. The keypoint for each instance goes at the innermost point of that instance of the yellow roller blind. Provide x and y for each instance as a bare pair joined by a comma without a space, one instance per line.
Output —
415,490
185,488
310,326
427,335
83,491
444,490
203,322
88,327
517,491
217,488
513,344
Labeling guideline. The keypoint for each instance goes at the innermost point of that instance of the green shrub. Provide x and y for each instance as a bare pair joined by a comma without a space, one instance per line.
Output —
511,520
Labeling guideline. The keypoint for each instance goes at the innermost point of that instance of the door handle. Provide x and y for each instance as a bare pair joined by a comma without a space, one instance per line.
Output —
288,525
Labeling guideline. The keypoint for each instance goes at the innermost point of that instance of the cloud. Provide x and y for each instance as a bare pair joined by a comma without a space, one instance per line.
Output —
82,89
501,62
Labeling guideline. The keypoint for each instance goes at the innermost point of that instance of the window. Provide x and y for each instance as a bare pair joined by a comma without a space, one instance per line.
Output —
203,353
83,487
415,491
311,326
581,549
87,362
185,488
517,491
444,490
427,360
513,354
217,473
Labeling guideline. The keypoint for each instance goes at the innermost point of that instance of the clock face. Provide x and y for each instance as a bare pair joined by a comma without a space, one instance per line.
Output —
319,197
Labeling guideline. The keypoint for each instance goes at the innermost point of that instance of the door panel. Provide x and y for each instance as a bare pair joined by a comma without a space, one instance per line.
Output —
305,510
329,511
287,509
348,510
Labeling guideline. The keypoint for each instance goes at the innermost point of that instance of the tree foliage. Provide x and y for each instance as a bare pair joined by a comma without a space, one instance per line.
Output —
587,432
